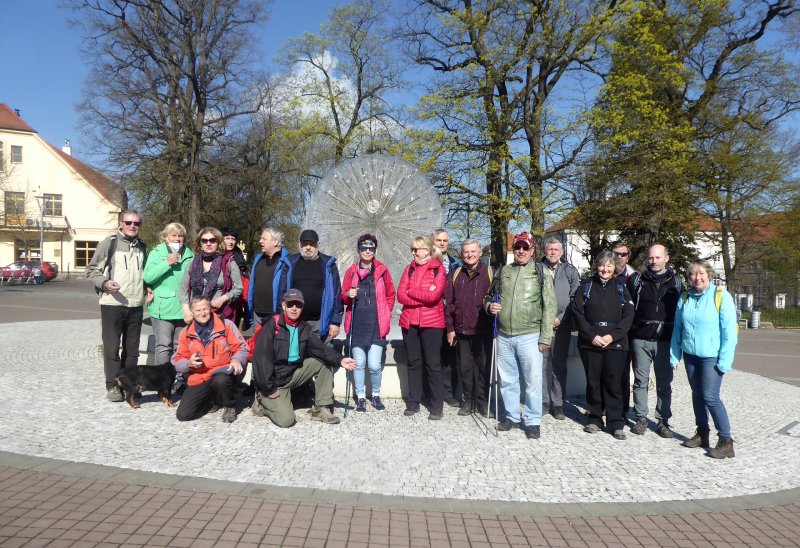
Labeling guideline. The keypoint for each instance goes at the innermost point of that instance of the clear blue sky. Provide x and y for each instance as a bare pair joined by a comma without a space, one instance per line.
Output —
44,73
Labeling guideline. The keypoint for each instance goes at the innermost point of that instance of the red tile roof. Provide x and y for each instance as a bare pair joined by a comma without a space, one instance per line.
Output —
10,120
110,190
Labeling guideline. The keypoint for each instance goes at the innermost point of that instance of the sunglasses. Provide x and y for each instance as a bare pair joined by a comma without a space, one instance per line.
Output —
208,240
524,247
415,249
132,223
619,254
294,305
364,249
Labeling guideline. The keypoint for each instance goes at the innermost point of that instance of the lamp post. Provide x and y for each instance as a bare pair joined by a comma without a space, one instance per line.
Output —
40,200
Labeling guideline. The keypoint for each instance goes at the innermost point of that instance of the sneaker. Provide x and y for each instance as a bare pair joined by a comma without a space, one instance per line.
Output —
619,434
362,406
323,414
435,415
591,429
533,432
640,427
228,414
663,430
115,395
452,402
258,409
558,413
505,426
411,409
465,409
378,404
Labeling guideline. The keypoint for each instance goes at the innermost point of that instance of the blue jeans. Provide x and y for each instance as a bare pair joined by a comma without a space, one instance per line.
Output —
705,380
515,354
372,358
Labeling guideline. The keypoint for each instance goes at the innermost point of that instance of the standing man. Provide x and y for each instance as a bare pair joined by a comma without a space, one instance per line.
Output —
449,357
566,281
525,312
269,276
655,294
623,272
469,327
116,269
317,277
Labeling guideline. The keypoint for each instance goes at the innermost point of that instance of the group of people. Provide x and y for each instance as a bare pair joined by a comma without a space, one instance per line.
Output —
454,307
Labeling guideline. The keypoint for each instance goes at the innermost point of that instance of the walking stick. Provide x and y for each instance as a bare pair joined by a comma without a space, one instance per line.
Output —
493,376
350,350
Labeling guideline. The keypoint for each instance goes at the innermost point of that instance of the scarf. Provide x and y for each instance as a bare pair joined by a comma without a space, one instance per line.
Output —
205,283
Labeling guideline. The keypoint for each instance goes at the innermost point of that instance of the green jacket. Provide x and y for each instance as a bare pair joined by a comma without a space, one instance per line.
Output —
165,281
528,299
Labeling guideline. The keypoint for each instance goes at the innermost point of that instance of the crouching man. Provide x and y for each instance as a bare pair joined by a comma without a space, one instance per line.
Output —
287,355
210,354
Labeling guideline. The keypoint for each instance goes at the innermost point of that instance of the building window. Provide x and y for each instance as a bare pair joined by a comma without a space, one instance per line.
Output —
26,250
16,154
52,204
83,253
15,208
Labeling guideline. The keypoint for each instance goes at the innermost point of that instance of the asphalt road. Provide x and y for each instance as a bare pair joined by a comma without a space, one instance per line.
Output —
773,353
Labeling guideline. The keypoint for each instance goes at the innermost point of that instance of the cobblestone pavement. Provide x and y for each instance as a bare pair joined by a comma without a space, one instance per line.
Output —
104,473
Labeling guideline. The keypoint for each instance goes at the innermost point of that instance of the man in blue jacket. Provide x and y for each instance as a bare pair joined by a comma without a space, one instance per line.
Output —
269,276
316,275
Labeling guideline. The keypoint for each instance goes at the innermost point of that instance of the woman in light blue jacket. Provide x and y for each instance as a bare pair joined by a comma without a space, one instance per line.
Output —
705,337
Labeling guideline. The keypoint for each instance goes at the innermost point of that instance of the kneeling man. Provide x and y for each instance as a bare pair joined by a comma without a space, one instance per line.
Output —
287,355
210,353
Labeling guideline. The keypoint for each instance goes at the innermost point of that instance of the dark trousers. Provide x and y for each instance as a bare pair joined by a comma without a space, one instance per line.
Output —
626,386
451,377
604,370
196,400
474,355
423,350
119,322
555,381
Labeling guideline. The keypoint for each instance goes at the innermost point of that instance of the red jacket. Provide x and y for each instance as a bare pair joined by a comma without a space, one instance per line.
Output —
421,306
226,344
384,290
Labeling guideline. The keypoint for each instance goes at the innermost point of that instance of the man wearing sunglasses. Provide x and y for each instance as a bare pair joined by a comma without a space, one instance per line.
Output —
116,269
287,355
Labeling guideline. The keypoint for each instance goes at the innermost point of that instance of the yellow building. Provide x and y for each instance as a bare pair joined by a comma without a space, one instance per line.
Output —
52,197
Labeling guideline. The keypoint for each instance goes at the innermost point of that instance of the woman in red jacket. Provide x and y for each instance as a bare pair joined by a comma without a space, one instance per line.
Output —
422,320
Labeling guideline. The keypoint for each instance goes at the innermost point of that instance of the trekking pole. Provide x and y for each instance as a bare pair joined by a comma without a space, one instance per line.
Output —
493,376
350,351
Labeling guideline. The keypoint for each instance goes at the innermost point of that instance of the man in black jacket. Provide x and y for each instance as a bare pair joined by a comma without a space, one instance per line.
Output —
655,294
287,355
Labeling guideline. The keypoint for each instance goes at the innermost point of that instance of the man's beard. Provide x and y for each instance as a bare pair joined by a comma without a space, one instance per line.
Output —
309,255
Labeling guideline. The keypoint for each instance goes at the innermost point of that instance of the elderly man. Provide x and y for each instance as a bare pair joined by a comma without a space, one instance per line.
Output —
269,276
317,277
566,281
624,271
449,357
525,311
469,327
116,269
655,294
284,359
211,352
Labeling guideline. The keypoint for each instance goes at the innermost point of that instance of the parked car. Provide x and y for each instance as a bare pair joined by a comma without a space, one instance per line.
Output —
55,268
21,270
47,268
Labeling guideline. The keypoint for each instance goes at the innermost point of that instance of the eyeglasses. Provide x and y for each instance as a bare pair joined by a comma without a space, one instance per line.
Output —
208,240
621,254
364,249
415,249
132,223
524,247
294,305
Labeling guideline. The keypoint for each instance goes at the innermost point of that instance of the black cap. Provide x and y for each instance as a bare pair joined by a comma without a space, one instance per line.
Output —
309,236
293,296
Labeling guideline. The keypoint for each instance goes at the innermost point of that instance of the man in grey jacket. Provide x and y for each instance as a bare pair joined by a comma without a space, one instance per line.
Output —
554,375
117,269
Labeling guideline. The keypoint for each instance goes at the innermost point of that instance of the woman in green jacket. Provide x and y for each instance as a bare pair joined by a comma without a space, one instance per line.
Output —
162,275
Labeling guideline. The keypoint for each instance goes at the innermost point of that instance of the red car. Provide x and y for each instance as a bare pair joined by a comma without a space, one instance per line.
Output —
22,270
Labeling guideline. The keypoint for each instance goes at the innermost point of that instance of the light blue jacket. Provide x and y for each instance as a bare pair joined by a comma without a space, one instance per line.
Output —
702,331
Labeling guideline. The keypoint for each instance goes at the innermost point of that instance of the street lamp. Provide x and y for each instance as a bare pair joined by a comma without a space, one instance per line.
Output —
41,201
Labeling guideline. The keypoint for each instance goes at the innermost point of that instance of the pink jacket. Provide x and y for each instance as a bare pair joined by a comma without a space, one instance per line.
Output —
421,306
384,289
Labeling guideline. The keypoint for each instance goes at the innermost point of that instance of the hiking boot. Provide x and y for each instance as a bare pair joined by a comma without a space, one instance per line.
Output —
465,409
591,429
228,414
362,406
558,413
435,415
411,409
663,430
640,427
378,404
115,395
323,414
700,439
214,408
505,426
619,434
258,409
533,432
452,402
723,450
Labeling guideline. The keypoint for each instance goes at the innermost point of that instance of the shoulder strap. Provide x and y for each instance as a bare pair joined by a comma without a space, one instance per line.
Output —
112,248
621,294
718,298
276,318
636,279
456,272
684,296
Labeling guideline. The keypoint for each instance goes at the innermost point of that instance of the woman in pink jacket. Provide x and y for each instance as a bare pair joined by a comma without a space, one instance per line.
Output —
368,293
420,292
